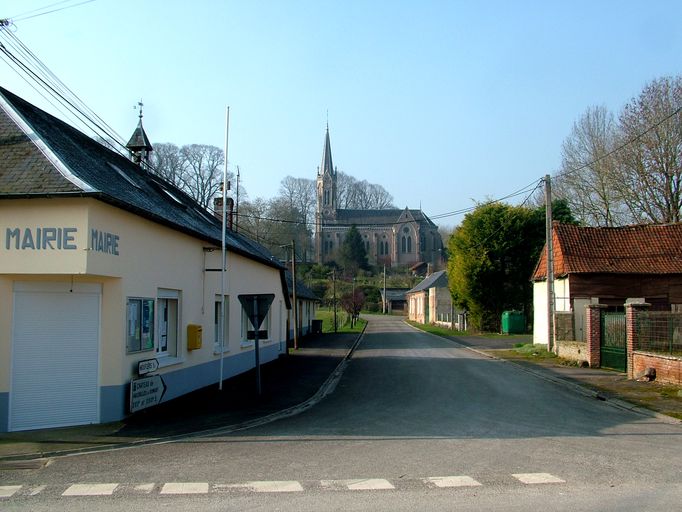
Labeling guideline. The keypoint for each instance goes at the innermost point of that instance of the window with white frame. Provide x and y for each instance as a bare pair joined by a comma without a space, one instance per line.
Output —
139,324
168,323
218,321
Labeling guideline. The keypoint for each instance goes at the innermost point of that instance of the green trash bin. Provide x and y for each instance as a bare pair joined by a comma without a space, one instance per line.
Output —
513,322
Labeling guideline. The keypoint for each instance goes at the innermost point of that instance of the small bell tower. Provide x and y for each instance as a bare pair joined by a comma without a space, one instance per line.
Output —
139,146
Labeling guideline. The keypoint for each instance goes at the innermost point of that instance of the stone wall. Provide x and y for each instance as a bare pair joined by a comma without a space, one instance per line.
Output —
572,350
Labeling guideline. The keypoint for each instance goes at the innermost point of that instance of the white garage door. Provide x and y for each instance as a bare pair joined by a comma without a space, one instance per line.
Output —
55,355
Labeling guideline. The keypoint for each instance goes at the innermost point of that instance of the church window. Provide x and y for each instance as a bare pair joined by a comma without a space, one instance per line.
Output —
409,244
422,243
386,248
403,244
366,246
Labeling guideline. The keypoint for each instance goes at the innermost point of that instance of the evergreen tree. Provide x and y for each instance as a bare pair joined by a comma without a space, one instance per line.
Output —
352,253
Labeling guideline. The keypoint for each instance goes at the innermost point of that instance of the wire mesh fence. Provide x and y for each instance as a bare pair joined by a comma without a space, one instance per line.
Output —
659,331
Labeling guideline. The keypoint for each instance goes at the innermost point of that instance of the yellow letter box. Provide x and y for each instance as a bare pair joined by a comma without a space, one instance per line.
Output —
194,336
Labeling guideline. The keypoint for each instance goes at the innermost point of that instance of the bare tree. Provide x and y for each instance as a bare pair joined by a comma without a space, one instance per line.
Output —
203,171
588,175
167,162
361,195
650,163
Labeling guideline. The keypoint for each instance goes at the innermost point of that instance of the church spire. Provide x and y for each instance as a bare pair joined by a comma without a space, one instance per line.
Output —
327,166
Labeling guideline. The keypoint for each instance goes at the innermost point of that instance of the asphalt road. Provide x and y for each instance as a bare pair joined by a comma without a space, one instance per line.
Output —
415,422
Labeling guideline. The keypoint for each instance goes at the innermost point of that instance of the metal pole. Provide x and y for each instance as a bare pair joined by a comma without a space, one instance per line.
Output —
236,210
255,337
334,288
293,271
352,315
223,258
550,264
383,302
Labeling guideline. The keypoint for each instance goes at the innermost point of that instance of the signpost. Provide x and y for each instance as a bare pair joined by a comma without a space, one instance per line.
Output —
146,392
257,307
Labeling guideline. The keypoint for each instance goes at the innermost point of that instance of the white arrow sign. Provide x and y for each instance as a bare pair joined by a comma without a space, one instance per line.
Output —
146,392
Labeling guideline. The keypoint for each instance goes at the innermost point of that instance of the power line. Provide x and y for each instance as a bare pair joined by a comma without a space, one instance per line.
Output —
30,14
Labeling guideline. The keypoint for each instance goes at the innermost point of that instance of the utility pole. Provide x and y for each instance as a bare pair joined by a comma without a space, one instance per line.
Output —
550,264
383,302
236,210
293,271
334,292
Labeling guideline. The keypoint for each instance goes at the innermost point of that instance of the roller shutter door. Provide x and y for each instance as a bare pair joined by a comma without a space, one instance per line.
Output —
55,354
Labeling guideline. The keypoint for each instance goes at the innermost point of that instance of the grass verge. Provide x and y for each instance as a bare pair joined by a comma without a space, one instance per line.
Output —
343,325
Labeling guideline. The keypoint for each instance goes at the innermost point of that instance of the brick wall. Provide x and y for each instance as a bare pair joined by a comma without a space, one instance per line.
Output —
668,368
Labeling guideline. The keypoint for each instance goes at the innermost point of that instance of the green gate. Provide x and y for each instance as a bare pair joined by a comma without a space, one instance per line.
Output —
613,341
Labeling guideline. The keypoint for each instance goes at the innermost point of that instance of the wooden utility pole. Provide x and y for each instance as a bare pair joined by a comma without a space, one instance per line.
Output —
293,278
550,264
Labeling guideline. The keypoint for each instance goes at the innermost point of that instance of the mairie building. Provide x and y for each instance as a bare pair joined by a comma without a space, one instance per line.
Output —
111,281
392,237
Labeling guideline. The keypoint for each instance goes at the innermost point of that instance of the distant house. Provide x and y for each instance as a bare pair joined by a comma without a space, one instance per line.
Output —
608,266
307,303
430,302
106,266
395,300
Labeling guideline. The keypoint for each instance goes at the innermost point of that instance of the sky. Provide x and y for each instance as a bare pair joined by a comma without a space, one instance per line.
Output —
443,103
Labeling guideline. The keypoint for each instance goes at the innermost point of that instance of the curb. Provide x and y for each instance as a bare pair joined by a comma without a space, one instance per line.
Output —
327,387
618,403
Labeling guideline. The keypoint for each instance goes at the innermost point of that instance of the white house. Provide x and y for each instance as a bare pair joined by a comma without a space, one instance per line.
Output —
430,302
104,265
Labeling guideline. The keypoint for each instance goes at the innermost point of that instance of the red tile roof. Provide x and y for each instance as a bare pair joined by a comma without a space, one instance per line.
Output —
641,249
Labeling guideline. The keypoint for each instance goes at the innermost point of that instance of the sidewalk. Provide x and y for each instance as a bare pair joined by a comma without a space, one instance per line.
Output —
651,398
286,383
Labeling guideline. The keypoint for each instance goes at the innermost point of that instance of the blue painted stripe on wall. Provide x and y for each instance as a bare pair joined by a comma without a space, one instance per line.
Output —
114,399
4,412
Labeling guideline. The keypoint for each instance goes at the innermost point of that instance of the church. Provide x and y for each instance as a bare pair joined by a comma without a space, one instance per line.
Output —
393,237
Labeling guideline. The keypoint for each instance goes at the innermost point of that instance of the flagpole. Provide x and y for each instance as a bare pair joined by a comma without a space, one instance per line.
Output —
223,256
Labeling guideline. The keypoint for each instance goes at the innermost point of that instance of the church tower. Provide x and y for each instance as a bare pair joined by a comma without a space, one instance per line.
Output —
326,196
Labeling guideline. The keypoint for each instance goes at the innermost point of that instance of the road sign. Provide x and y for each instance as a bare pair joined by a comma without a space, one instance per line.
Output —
147,366
258,303
146,392
257,306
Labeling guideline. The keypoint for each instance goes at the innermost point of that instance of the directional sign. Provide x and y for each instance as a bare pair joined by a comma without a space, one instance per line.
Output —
146,392
147,366
256,303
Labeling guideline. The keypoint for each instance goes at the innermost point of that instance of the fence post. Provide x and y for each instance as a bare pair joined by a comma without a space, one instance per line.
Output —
593,328
632,311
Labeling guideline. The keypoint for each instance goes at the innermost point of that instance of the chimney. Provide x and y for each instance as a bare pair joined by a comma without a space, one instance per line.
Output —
218,207
429,271
230,213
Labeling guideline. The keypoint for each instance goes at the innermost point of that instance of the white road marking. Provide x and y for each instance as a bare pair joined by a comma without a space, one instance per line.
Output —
184,488
37,490
538,478
266,486
90,490
144,488
452,481
7,491
364,484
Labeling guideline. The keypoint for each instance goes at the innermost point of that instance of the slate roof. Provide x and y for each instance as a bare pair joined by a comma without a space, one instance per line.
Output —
640,249
394,294
379,217
327,166
85,168
139,140
436,280
302,291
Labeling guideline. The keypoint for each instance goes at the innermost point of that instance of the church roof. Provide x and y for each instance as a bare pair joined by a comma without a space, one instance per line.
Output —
327,166
380,217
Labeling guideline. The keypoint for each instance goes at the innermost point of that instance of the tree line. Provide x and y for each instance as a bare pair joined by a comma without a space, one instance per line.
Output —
197,169
626,168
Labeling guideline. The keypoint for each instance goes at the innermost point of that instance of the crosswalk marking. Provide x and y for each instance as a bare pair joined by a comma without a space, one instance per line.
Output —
7,491
263,486
452,481
364,484
90,490
538,478
184,488
267,486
